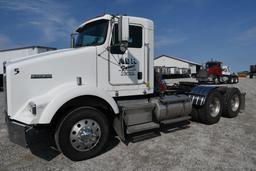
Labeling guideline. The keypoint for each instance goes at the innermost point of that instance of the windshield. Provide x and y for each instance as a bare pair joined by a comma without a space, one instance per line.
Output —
212,64
92,34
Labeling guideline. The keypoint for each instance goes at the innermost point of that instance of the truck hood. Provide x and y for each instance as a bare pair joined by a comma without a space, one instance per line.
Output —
36,75
55,52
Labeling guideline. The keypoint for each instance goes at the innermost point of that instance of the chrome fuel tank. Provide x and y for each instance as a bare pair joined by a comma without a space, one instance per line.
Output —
170,107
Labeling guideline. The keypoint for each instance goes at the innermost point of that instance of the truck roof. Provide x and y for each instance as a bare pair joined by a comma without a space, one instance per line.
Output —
213,62
148,22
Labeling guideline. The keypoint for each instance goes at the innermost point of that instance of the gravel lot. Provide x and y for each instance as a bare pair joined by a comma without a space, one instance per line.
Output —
228,145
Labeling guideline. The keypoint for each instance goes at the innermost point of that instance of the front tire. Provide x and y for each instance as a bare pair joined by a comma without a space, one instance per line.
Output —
82,134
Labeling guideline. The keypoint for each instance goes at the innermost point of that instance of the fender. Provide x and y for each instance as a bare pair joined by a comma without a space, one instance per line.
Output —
64,93
199,94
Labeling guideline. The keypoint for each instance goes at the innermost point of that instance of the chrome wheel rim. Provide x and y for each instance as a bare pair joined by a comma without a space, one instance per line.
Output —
214,107
235,102
85,135
216,81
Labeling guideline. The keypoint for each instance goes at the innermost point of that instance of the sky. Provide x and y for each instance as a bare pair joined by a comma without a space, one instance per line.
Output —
196,30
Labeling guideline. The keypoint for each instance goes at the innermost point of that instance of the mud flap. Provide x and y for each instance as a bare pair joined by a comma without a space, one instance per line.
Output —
118,125
242,101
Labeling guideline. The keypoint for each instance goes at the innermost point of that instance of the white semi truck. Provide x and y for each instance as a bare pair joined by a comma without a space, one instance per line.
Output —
104,83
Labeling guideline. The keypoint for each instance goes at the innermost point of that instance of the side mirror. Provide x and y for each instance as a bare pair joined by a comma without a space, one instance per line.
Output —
123,32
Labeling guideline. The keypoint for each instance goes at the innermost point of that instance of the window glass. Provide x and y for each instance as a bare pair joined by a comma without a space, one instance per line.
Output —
93,34
135,36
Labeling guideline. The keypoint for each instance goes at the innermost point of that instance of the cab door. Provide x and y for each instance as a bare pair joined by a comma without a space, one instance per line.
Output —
127,68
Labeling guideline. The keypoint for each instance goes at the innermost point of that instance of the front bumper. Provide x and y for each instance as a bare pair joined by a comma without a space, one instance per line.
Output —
17,131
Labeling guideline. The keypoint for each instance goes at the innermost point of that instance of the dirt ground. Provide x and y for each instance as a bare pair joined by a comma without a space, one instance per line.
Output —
228,145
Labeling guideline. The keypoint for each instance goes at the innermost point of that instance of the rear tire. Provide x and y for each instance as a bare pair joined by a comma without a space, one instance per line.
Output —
231,80
236,80
232,103
82,134
210,113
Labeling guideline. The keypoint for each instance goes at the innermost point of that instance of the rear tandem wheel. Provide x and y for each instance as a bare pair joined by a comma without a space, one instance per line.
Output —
232,103
210,113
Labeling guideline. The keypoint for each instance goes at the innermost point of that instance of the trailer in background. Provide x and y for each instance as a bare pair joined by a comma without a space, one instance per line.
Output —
9,54
252,71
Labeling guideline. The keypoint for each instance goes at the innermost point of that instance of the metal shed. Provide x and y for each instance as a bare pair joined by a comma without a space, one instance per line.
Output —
14,53
9,54
177,65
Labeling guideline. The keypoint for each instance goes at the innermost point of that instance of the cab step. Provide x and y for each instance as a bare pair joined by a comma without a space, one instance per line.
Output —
141,127
143,136
136,112
180,119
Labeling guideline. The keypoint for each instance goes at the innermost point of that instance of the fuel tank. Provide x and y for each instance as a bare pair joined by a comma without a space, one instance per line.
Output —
170,107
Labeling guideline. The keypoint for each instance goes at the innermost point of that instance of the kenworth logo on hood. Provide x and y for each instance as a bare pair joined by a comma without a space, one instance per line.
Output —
41,76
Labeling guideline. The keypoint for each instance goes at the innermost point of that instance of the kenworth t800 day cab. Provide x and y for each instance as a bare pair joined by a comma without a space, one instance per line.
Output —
104,83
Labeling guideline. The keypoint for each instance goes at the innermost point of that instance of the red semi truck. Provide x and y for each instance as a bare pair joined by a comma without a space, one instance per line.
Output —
215,72
252,70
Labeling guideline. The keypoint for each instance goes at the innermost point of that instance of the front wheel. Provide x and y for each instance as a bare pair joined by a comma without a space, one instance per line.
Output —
82,134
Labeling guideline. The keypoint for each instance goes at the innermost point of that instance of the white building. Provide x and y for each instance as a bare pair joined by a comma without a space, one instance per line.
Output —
9,54
178,63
